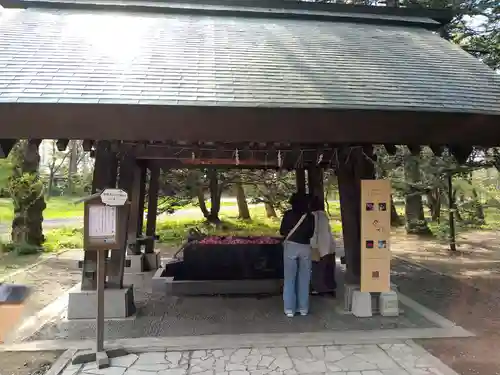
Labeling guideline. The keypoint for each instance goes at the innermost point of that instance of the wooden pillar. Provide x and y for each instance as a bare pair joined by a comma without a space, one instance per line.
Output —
154,181
354,165
300,179
105,171
6,146
315,183
132,180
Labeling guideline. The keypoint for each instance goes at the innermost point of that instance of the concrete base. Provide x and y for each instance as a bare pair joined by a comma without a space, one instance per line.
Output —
152,261
136,263
119,303
349,289
388,304
101,359
171,287
361,304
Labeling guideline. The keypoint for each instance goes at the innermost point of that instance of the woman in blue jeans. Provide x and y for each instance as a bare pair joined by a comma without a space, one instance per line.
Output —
297,226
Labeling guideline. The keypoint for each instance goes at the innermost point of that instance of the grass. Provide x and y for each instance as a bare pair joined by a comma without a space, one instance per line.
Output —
57,208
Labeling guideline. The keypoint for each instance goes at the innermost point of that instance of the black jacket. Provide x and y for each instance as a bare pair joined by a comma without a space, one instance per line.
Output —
303,233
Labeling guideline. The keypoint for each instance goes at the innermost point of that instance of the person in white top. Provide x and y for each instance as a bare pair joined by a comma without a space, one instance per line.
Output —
323,270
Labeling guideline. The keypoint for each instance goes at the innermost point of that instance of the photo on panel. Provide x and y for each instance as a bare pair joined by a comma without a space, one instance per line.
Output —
382,206
369,244
382,244
370,206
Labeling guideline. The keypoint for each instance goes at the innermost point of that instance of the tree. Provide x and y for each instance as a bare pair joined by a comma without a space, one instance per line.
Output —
26,190
57,159
271,187
241,199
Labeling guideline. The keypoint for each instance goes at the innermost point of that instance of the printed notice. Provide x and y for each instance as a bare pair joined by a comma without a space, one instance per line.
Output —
102,221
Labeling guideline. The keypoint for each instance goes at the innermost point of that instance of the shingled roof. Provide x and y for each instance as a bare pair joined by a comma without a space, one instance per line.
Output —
107,57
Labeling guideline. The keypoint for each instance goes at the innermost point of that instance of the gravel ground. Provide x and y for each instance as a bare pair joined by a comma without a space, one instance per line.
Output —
24,363
470,307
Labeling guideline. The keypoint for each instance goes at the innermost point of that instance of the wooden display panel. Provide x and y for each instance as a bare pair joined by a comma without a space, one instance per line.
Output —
375,275
375,235
104,226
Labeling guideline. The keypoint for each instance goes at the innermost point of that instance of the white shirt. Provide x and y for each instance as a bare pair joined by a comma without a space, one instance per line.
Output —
323,238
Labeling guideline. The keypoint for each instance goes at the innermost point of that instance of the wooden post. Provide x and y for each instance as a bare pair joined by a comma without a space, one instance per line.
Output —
315,183
132,180
300,178
353,167
101,282
104,177
152,206
451,200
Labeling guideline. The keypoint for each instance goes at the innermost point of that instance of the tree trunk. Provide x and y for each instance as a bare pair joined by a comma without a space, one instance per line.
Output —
29,201
202,203
270,211
50,185
73,166
414,210
395,218
243,211
434,203
478,208
215,196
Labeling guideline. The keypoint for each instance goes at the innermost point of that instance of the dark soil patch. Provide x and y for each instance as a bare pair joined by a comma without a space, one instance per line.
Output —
475,309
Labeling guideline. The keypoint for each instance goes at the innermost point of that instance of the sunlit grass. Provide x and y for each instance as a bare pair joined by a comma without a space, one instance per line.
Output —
57,208
173,230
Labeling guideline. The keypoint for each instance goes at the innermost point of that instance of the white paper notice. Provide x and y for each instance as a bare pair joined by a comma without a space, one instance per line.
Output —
102,221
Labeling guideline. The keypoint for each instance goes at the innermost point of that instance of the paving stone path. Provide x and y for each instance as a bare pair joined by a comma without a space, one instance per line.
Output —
399,358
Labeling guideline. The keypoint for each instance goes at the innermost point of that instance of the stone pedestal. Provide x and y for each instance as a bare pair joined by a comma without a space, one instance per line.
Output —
388,304
361,304
119,303
152,261
136,263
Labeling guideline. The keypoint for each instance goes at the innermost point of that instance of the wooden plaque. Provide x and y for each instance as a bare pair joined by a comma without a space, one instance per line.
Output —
375,235
105,227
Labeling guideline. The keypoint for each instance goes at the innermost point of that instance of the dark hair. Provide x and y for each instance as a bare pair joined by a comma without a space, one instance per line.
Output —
299,202
316,203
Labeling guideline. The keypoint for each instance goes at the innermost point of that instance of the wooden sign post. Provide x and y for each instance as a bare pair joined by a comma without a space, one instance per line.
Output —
375,235
105,228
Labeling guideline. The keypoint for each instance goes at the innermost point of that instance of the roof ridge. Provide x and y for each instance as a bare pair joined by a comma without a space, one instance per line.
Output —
427,18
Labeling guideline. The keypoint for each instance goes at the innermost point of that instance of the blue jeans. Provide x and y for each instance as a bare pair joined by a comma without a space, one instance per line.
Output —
297,274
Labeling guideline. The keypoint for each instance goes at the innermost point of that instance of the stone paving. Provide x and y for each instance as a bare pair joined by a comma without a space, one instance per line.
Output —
398,358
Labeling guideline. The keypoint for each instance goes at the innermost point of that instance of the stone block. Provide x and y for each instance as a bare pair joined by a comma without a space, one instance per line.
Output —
136,263
152,261
361,304
349,289
388,304
119,303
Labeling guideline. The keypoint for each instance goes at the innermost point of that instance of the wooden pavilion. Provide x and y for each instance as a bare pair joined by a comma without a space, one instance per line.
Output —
268,84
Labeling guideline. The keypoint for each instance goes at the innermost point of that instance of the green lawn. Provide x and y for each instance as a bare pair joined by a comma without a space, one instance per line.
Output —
57,208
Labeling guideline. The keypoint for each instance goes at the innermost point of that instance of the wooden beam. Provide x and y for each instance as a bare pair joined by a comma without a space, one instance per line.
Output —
6,146
461,153
87,145
300,180
414,149
154,183
62,144
391,149
256,124
104,177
